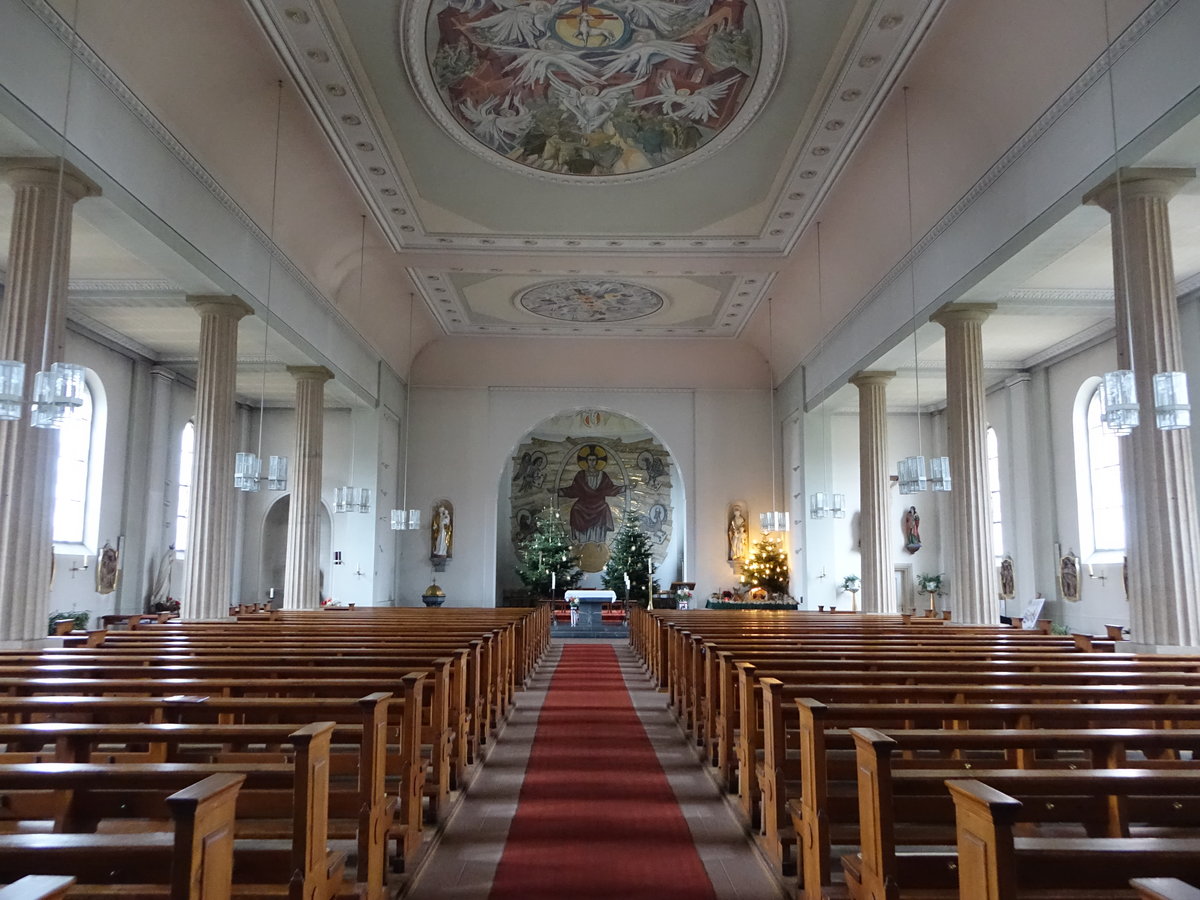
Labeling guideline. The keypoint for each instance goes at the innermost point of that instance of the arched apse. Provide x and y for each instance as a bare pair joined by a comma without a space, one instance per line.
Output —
598,468
274,550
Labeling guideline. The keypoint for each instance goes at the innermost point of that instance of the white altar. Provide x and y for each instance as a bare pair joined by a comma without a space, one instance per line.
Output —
589,605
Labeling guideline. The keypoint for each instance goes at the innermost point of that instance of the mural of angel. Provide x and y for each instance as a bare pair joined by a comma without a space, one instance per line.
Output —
521,22
644,53
660,15
531,471
535,65
498,125
591,106
698,105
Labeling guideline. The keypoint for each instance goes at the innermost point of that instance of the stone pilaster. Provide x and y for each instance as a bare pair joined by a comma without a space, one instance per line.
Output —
302,586
973,582
32,330
1161,532
878,583
207,590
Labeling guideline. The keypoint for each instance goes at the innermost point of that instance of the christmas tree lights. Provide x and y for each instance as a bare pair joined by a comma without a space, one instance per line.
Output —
766,566
628,570
545,562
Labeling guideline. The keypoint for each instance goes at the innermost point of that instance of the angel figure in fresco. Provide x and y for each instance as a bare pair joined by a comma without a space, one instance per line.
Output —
591,516
699,105
644,53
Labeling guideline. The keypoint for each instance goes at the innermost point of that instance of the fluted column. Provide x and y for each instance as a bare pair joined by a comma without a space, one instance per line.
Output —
32,328
878,583
301,579
160,527
974,579
207,590
1161,532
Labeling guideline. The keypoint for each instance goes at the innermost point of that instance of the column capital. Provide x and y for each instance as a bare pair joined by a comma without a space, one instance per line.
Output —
164,373
1134,182
310,373
42,171
1020,378
871,376
963,312
224,306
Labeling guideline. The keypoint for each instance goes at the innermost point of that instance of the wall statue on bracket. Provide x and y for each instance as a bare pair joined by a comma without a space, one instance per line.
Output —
911,525
441,534
738,531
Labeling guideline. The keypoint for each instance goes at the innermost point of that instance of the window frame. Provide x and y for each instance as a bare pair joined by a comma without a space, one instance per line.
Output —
93,480
180,485
995,491
1085,471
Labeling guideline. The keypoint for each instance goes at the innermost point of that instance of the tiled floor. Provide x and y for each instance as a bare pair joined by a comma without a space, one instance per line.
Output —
463,864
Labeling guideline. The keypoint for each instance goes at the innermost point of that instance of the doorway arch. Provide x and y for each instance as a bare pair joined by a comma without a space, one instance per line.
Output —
274,548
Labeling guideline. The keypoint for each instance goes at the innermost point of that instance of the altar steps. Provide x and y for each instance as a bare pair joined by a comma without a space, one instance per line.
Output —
564,631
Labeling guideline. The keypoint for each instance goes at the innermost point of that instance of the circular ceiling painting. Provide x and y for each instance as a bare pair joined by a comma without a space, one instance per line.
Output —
588,90
591,301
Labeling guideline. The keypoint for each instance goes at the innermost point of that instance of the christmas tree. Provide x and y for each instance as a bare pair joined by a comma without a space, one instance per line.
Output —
766,567
630,562
546,564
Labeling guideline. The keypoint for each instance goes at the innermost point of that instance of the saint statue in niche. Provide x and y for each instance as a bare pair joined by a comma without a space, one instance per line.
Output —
591,516
738,532
108,569
1068,577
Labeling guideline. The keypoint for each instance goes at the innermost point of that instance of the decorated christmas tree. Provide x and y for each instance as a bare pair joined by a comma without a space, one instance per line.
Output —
629,564
766,566
545,563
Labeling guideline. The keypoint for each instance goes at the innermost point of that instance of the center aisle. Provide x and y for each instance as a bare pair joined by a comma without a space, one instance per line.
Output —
603,810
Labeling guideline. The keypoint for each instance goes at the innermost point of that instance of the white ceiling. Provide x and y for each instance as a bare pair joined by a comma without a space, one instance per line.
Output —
710,237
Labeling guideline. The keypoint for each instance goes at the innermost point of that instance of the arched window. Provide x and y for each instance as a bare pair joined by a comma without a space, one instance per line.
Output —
993,480
183,500
1098,480
79,470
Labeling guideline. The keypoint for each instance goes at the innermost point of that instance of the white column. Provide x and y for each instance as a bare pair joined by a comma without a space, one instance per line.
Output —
163,439
207,590
32,330
974,579
301,581
878,583
1161,531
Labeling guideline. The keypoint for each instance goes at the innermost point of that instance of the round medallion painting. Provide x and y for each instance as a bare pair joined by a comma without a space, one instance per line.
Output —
591,301
614,87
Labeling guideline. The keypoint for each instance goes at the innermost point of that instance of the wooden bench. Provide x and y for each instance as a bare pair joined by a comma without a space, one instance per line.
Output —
37,887
193,862
907,806
1156,889
994,863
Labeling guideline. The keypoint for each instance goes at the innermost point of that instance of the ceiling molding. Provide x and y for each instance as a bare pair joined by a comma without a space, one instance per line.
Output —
1099,67
452,312
1094,334
310,40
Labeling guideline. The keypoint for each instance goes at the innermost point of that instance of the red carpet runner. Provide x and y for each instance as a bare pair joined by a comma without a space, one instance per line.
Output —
596,816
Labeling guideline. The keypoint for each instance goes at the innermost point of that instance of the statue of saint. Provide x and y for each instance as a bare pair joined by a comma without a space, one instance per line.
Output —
912,530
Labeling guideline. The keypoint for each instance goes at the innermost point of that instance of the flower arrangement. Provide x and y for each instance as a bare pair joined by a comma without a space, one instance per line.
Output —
573,603
930,584
850,584
683,595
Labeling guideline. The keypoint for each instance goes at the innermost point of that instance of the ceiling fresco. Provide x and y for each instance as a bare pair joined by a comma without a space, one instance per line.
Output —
589,90
591,301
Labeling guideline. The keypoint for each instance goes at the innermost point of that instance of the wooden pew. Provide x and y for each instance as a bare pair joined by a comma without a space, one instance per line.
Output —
37,887
996,864
1154,889
195,862
289,800
379,723
907,805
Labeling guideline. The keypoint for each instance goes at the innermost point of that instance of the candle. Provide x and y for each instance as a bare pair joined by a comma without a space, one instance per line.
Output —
553,581
271,594
626,581
1091,573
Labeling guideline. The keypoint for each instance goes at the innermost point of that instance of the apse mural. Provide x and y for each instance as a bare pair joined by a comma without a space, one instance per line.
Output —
596,484
591,301
592,89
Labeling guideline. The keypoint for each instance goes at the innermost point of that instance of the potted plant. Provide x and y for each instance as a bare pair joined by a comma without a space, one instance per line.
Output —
79,618
931,585
850,584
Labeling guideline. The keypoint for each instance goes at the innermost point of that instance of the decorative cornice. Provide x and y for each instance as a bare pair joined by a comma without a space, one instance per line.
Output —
309,38
1149,16
107,77
445,303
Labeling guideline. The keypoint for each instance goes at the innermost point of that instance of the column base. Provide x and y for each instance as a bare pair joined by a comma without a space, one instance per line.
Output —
1135,647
